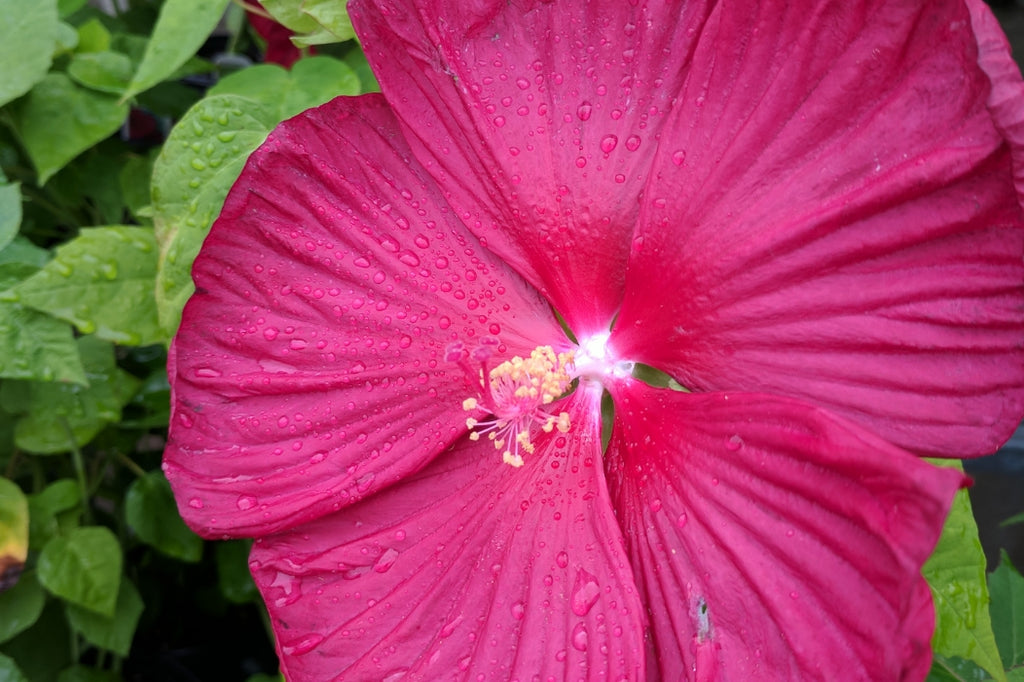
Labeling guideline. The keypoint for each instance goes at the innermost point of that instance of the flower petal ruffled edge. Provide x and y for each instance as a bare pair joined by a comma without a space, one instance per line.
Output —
1006,100
772,540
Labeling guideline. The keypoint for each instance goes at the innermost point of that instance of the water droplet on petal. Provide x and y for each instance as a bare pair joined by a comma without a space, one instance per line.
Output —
304,645
518,610
195,503
386,560
584,110
562,559
633,143
608,143
679,157
245,502
270,333
579,637
584,593
734,443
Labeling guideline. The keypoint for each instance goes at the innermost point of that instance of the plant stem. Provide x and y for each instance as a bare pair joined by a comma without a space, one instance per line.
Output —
130,464
76,459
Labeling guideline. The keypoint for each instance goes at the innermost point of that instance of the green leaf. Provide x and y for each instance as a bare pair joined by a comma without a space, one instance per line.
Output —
27,36
10,213
59,119
9,670
1015,519
53,510
310,83
102,282
54,409
35,649
200,160
153,515
289,14
67,7
233,576
1007,589
104,71
135,178
36,346
93,36
21,606
114,632
13,532
333,16
181,28
955,670
956,575
84,568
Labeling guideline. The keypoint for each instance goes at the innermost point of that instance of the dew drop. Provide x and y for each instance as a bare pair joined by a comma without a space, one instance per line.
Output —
361,262
410,259
386,560
195,503
579,637
734,443
632,143
580,162
584,593
679,157
518,610
297,344
499,121
208,372
584,110
304,645
405,341
562,559
608,143
245,502
270,333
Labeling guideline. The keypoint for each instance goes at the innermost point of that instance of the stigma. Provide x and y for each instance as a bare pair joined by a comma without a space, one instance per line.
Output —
517,395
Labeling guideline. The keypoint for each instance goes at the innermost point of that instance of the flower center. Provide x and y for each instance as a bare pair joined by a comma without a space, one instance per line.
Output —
516,394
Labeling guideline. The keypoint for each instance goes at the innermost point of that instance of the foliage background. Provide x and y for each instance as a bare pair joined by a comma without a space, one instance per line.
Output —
122,125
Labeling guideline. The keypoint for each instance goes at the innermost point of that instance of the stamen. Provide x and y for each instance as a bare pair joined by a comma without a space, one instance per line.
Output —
515,393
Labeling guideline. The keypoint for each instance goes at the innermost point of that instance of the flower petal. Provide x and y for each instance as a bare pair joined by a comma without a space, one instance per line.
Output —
310,369
844,226
773,541
538,123
471,569
1006,99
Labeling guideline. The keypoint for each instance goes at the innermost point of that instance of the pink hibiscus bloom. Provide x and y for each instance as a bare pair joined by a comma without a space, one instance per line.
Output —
806,213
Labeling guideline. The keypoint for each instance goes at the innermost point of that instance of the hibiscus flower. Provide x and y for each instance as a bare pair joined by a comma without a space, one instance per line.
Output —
413,305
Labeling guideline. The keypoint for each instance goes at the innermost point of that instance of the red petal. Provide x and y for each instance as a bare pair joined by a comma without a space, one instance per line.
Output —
469,570
844,226
1006,99
310,366
773,541
539,123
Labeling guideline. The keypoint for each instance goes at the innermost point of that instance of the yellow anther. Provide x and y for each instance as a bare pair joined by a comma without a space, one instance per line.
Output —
515,393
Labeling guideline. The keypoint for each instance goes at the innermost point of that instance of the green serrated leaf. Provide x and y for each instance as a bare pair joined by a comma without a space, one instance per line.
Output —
1007,589
152,513
13,532
21,606
10,212
200,160
956,575
9,670
27,36
102,282
181,28
114,632
103,71
53,510
310,83
59,119
61,416
84,568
